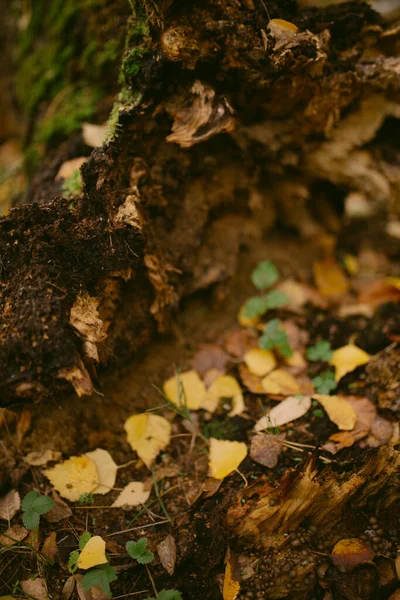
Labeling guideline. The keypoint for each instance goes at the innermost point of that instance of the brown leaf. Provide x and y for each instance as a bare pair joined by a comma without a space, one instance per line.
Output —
24,424
238,341
82,593
210,356
41,458
366,413
49,548
69,167
69,588
60,510
266,448
252,382
12,536
211,487
349,553
9,505
35,588
381,432
380,291
167,553
330,278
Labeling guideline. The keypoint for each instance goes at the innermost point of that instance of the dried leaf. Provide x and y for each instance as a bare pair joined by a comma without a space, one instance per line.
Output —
381,432
49,548
12,536
288,410
69,167
35,588
280,383
349,553
186,390
210,487
68,589
210,356
330,278
60,510
133,494
84,317
231,587
252,382
380,291
225,456
339,410
225,386
297,362
266,448
167,553
94,135
346,359
148,434
9,505
94,553
301,294
41,458
366,414
24,424
238,341
74,477
260,362
106,470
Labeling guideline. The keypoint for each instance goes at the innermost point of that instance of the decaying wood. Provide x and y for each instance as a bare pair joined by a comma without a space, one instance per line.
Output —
242,122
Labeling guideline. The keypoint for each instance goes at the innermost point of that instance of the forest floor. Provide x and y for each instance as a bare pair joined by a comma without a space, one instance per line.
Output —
198,502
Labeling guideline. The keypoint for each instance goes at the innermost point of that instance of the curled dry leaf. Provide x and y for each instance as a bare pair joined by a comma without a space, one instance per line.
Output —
266,448
339,410
49,548
9,505
12,536
223,387
148,434
35,588
347,554
106,470
225,456
259,362
93,553
60,510
167,553
346,359
39,459
74,477
133,494
280,383
186,390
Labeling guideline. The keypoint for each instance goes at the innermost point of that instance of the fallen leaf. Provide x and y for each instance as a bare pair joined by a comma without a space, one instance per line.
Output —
380,291
84,317
82,593
41,458
349,553
23,424
186,390
69,167
284,24
74,477
231,587
94,135
13,535
238,341
266,448
68,589
106,470
260,362
225,456
9,505
93,553
290,409
381,432
280,383
339,410
167,553
225,386
60,510
133,494
366,414
49,548
210,487
246,321
301,294
296,361
252,382
148,434
346,359
210,356
35,588
330,278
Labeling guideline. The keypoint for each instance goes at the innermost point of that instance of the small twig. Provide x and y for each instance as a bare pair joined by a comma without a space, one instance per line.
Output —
152,581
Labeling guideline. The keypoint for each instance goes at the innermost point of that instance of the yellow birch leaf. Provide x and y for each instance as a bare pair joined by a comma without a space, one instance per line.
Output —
347,358
74,477
94,553
339,410
225,457
106,470
148,434
226,386
260,362
280,382
284,24
231,587
133,494
330,278
186,390
296,360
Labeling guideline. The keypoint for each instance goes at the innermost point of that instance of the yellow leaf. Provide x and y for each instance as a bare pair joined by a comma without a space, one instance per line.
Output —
330,278
148,434
351,264
346,359
284,24
280,382
94,553
133,494
74,477
260,362
231,587
186,390
225,457
225,386
339,410
247,321
296,360
106,470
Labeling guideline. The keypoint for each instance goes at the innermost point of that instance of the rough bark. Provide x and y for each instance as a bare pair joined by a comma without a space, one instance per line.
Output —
229,121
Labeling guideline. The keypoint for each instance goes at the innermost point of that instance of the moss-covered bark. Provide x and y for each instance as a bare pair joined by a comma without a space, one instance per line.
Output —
228,121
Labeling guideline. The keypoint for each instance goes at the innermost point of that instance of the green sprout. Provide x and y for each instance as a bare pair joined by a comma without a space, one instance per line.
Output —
33,506
274,337
320,351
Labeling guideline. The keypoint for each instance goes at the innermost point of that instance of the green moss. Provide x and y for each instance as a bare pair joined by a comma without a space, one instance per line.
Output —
72,186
